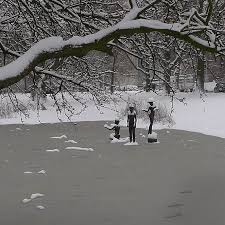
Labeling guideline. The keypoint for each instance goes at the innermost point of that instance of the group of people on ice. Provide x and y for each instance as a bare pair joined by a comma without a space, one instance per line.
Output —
132,121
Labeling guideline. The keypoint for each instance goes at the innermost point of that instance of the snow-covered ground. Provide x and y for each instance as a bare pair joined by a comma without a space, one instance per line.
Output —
200,114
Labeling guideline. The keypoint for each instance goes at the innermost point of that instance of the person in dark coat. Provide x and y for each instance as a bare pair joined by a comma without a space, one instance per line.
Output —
151,114
131,122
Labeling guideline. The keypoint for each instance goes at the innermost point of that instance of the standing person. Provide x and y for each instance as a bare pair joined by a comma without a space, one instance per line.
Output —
131,122
151,114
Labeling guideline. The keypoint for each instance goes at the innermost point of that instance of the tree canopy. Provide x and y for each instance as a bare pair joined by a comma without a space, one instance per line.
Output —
35,31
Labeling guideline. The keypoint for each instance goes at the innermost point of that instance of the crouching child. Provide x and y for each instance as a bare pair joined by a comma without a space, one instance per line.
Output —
116,128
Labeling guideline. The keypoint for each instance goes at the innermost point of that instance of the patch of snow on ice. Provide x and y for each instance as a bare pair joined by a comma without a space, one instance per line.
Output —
71,141
53,150
152,136
80,149
40,207
36,195
121,140
26,200
60,137
131,143
42,172
28,172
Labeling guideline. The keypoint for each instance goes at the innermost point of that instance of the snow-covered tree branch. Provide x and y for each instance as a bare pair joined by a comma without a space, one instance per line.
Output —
191,27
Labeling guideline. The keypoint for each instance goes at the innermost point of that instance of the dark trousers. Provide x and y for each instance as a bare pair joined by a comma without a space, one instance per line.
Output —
132,133
150,126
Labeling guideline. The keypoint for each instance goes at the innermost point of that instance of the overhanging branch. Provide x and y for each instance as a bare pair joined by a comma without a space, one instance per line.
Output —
56,47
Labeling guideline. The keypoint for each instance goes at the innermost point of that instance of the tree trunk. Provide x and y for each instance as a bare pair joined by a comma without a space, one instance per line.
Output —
148,83
201,73
167,72
112,84
177,79
167,81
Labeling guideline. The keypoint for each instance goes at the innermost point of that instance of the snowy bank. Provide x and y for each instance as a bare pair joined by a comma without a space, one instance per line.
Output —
193,113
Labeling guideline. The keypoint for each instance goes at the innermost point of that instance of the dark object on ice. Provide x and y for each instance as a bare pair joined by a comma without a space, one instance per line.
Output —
220,87
131,122
152,138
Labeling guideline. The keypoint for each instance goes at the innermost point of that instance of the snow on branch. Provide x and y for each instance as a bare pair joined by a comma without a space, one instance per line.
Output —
133,4
56,47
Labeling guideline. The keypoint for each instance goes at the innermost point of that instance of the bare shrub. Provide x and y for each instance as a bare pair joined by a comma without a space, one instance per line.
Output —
10,106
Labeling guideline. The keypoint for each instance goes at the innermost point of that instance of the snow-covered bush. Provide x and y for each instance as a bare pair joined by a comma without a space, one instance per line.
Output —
162,113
